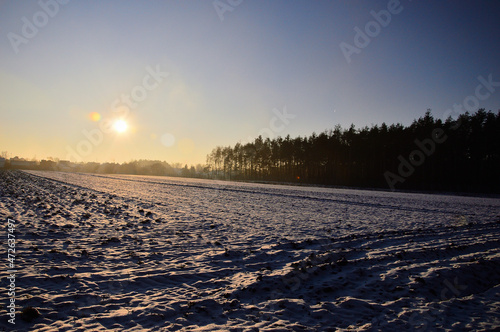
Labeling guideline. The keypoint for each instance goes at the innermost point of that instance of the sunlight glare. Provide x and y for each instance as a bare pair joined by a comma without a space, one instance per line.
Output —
120,126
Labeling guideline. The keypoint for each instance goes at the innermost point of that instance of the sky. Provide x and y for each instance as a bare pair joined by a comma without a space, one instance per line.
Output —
187,76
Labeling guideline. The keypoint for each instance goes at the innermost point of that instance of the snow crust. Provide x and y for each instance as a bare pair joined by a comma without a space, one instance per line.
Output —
119,252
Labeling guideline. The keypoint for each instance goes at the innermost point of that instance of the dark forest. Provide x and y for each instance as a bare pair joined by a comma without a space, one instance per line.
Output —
461,155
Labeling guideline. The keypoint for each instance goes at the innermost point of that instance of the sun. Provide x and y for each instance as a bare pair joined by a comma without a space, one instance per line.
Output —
120,126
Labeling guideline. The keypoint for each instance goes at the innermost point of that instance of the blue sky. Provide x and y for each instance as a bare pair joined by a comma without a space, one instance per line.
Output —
228,79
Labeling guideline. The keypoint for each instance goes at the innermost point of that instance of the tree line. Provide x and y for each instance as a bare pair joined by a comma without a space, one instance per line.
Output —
460,154
135,167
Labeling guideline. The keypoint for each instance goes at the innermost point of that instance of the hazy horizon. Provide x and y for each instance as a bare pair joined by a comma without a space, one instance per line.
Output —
188,76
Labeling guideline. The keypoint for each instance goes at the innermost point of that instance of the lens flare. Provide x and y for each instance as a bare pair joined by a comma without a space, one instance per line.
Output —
167,139
94,116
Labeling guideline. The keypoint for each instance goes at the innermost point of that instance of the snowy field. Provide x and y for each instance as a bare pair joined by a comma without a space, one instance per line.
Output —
135,253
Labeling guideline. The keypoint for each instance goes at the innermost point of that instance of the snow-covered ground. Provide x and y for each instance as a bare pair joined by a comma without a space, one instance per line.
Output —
132,253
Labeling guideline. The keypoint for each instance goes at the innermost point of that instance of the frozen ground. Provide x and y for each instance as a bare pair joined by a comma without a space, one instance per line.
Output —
152,253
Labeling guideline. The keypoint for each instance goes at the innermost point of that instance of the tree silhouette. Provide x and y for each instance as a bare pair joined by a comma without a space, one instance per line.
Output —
467,160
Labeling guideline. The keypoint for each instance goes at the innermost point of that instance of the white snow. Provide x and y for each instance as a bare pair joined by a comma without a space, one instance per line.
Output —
104,252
